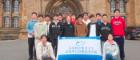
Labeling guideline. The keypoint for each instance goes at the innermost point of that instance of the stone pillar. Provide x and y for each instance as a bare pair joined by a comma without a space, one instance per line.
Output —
130,12
137,13
1,9
23,20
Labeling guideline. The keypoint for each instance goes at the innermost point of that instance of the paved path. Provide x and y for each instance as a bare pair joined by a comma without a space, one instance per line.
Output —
132,50
13,50
18,50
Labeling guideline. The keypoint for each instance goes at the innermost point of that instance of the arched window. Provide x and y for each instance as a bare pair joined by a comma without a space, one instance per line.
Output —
11,19
15,22
16,6
113,5
7,6
6,21
122,6
117,4
15,18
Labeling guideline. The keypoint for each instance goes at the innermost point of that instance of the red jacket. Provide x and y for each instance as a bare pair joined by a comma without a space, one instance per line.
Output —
118,26
73,21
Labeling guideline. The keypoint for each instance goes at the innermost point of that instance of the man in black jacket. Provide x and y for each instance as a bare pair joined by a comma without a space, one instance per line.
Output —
93,22
105,29
68,28
55,30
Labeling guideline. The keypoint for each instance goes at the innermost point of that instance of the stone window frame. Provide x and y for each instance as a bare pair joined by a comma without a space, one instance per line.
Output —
11,14
118,6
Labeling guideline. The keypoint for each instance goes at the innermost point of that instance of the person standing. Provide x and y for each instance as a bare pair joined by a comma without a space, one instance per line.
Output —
68,28
55,30
99,19
48,21
118,28
93,25
73,19
86,18
30,30
40,28
105,28
80,28
60,18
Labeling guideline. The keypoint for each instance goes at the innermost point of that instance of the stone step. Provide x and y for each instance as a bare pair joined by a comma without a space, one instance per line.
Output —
9,34
8,37
9,29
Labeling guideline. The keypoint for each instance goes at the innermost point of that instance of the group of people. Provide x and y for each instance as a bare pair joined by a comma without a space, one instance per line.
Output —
43,32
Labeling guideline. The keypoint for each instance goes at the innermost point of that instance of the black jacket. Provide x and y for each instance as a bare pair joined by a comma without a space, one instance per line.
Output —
104,31
97,28
55,30
68,30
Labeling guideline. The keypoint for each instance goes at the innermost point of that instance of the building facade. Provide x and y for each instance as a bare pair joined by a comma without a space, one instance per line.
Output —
14,14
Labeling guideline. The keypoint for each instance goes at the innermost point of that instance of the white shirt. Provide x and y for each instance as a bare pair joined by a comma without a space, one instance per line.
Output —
46,50
86,21
40,28
110,49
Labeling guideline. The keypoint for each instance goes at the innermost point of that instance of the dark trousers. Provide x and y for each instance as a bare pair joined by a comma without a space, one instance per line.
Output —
31,45
54,45
120,42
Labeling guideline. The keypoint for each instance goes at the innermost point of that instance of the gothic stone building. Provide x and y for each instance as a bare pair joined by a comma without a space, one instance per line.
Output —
14,14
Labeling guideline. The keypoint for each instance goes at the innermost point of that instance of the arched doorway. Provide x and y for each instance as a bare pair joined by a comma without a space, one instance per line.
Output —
64,7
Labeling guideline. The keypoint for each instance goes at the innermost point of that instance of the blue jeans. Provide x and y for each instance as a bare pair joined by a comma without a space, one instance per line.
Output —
110,57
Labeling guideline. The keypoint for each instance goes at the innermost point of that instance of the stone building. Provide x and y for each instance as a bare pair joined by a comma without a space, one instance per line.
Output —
14,14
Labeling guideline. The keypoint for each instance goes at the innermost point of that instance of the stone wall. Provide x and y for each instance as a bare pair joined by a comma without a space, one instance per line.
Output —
97,6
130,13
137,13
1,13
91,6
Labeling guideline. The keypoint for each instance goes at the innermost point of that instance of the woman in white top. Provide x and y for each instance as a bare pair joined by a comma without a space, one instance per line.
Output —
110,49
44,49
40,28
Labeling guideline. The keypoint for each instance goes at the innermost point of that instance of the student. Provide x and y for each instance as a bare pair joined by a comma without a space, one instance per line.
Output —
92,18
73,19
44,49
105,28
48,21
60,18
118,28
95,32
80,27
30,30
99,19
85,18
68,28
40,28
110,49
55,30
